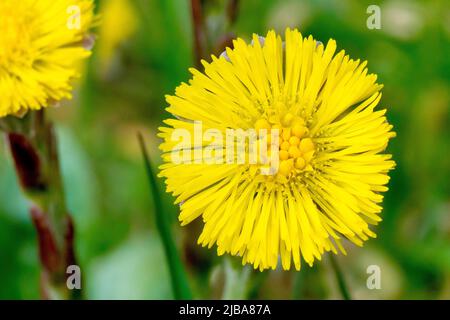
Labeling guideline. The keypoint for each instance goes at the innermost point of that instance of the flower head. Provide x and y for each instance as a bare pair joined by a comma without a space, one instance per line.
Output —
329,140
40,43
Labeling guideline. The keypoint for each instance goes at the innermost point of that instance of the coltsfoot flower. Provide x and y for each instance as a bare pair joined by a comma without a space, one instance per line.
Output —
331,170
40,44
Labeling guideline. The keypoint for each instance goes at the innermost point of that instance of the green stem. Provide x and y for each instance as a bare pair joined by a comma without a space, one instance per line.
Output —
178,275
340,278
298,283
258,279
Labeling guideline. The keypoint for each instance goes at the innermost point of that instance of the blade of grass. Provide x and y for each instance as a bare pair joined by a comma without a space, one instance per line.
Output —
340,278
178,275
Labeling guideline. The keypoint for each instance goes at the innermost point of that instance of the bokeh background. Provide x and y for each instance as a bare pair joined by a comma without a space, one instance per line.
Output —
143,50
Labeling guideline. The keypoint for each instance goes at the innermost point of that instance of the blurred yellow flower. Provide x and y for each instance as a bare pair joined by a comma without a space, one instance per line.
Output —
40,43
331,170
119,22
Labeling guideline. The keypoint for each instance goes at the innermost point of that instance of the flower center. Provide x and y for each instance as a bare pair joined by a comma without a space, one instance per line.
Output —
296,148
15,38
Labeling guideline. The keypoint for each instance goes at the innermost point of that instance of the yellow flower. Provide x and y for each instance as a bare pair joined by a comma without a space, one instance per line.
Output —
40,44
331,170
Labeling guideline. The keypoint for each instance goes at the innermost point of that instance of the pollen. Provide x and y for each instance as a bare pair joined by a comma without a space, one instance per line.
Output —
296,148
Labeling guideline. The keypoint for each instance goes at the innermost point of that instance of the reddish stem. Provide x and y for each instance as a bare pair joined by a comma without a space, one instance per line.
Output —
27,162
232,11
36,162
200,40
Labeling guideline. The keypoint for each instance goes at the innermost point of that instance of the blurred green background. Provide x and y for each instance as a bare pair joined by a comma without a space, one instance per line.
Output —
143,50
